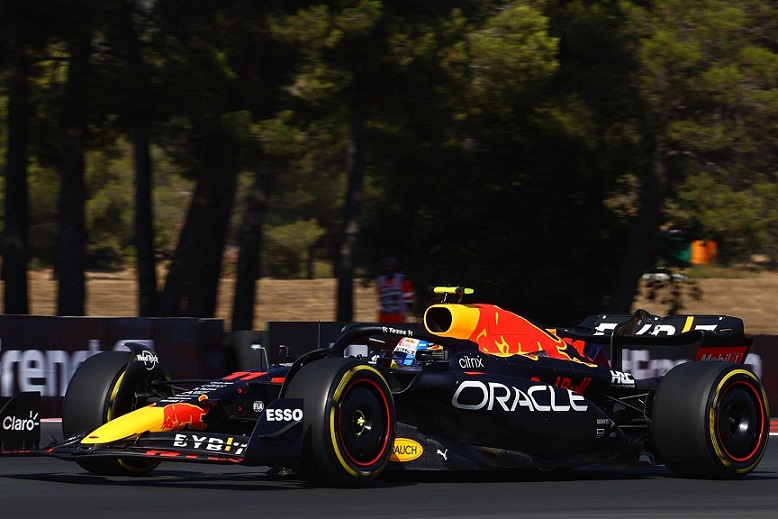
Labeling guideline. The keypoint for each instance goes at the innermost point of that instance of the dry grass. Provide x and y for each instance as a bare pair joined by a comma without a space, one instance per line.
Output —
116,295
750,298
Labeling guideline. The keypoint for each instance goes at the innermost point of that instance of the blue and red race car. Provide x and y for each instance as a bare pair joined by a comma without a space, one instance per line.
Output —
477,388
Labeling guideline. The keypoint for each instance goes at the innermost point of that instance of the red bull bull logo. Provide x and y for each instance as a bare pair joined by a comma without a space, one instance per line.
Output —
179,416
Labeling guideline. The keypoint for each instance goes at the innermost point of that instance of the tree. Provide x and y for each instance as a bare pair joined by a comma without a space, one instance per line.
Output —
15,241
139,121
71,253
707,85
250,247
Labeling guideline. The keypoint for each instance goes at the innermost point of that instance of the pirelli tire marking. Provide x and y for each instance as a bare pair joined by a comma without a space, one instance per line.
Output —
336,433
715,425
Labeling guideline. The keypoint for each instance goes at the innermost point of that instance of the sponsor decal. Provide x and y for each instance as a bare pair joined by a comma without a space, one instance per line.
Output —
737,358
258,406
149,359
621,379
405,450
47,371
471,362
602,423
396,331
13,423
443,454
726,353
180,415
658,329
201,392
284,415
567,383
207,443
474,395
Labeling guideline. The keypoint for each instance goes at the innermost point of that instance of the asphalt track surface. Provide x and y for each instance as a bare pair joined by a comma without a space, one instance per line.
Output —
52,488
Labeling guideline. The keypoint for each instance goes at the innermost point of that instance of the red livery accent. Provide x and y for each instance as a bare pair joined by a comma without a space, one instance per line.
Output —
237,374
178,416
254,375
164,454
736,354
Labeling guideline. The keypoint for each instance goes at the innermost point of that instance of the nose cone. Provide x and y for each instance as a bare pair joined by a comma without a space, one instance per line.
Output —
126,426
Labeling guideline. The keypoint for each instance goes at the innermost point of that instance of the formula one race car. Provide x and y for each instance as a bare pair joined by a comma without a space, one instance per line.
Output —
478,388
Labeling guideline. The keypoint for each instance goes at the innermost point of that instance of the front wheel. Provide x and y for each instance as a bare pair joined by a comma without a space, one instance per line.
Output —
94,396
349,421
711,420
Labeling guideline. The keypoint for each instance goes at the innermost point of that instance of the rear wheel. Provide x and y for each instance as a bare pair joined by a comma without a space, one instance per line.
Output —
710,420
349,421
93,398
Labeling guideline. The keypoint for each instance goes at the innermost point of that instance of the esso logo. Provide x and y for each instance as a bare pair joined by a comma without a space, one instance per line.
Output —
284,415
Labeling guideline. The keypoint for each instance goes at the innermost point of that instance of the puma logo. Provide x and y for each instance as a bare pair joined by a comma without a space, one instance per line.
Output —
444,454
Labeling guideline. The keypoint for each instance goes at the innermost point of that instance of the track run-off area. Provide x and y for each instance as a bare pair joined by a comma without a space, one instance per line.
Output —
43,487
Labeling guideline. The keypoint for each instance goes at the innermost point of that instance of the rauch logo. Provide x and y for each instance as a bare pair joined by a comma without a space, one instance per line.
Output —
405,450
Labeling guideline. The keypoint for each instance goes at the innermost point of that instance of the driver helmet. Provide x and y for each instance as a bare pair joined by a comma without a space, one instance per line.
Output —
404,354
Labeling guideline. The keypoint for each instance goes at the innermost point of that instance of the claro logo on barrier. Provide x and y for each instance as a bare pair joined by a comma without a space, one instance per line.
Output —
13,423
46,371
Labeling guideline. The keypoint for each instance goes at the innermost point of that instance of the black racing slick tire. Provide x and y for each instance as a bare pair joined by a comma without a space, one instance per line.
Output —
710,420
92,399
349,422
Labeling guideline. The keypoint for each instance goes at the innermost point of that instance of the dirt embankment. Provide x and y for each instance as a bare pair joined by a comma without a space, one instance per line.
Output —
116,295
751,298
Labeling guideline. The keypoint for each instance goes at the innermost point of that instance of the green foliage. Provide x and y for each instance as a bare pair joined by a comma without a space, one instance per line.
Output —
512,48
289,246
507,142
109,211
43,185
710,74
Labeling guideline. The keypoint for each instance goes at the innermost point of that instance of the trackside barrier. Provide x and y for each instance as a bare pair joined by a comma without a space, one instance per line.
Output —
40,353
299,337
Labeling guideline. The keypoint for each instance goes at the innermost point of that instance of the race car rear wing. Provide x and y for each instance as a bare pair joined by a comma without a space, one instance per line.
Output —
644,323
716,337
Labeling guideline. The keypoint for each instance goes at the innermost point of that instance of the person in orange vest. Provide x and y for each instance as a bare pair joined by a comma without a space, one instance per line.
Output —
396,293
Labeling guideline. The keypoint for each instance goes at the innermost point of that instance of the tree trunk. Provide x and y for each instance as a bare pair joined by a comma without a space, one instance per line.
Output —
15,246
250,244
144,224
638,254
71,252
191,286
139,134
346,258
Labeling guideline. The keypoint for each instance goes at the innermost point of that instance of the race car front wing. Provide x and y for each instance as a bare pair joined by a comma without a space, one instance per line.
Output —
275,439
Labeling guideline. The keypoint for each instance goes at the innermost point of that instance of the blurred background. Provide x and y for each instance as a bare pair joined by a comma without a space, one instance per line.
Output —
556,155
